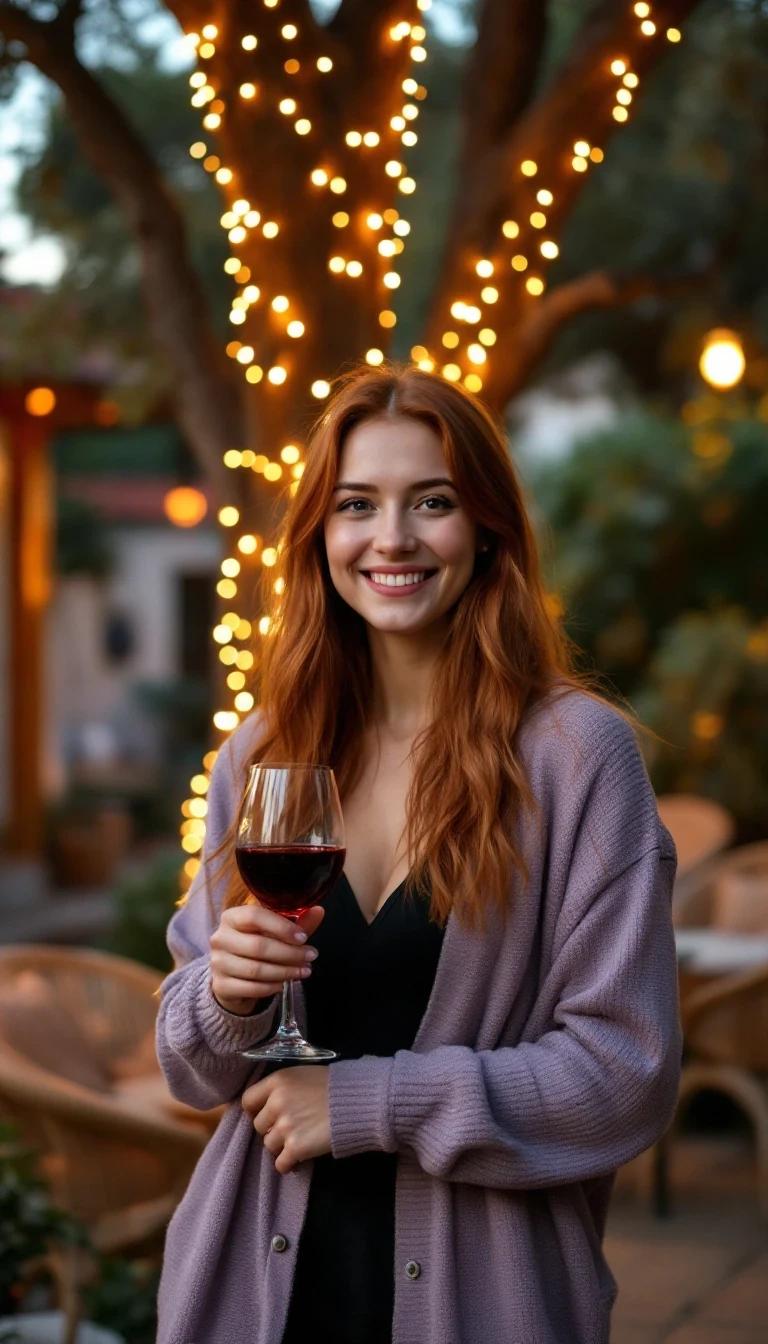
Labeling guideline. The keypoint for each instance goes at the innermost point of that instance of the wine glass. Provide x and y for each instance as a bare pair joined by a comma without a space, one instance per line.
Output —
290,850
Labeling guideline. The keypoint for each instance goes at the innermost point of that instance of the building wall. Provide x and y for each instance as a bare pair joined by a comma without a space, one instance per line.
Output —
90,707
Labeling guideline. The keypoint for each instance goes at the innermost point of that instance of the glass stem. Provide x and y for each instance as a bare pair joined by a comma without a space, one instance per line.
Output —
288,1025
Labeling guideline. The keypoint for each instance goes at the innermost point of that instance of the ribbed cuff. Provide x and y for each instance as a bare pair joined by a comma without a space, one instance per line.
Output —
195,1013
358,1105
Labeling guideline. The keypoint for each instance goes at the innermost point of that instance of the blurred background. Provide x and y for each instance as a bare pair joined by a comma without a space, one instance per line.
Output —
208,210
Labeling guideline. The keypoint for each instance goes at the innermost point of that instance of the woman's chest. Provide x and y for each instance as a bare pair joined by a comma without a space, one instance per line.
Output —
374,823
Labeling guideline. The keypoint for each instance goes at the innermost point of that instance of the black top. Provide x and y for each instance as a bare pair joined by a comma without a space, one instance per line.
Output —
367,994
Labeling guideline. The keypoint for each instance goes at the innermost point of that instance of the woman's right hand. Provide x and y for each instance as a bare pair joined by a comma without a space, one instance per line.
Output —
254,950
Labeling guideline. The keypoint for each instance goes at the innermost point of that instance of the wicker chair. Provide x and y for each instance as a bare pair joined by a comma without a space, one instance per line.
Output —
700,828
696,902
116,1163
726,1034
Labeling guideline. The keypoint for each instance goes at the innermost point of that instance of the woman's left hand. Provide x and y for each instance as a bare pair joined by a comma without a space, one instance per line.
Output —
290,1109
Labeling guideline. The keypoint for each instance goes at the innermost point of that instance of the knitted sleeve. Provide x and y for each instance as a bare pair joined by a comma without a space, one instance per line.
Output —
599,1085
198,1041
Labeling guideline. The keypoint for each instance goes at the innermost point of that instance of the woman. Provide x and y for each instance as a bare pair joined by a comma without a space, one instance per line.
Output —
496,965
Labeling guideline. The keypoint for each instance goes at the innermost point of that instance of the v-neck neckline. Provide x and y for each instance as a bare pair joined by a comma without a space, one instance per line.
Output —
382,910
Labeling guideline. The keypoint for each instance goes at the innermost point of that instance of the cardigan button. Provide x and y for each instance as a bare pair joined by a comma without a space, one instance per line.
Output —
279,1243
413,1269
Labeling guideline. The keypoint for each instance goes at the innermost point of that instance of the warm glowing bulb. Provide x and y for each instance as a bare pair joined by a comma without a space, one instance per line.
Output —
722,362
484,269
228,516
452,372
338,185
289,31
337,265
597,156
674,34
277,375
320,388
519,263
579,165
618,67
374,221
529,168
392,280
254,373
535,285
281,303
206,50
249,42
245,354
624,96
487,336
550,250
269,556
40,401
353,138
324,64
303,126
287,106
648,28
251,293
473,382
407,185
476,353
581,148
620,114
393,168
319,177
510,229
401,227
371,138
210,31
642,11
247,544
354,268
232,458
198,149
387,318
295,329
270,229
544,197
374,356
489,294
290,454
340,219
538,219
230,568
224,175
631,81
450,339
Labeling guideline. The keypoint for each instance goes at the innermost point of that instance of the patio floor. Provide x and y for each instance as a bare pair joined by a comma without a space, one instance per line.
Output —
700,1276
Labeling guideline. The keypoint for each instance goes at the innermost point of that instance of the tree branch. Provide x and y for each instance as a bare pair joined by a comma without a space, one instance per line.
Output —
203,395
577,104
538,330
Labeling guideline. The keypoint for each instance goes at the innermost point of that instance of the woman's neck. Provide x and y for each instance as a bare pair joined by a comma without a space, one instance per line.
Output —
403,667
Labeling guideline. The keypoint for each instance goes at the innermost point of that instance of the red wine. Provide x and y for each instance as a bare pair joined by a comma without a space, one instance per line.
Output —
289,878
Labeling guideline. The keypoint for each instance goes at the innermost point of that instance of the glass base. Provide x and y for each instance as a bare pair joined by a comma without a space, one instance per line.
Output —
290,1049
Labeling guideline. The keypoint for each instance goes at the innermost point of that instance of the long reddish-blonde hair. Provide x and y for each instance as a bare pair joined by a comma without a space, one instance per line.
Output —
505,650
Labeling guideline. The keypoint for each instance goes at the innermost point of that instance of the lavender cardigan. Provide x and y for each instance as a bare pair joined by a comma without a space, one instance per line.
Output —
548,1056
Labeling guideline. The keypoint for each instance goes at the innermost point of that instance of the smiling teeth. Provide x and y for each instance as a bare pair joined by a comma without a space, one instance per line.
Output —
397,580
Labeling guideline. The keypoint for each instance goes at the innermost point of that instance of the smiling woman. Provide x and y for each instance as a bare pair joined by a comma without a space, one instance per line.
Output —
495,965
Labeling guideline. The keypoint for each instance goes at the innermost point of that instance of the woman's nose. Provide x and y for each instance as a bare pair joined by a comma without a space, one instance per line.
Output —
394,532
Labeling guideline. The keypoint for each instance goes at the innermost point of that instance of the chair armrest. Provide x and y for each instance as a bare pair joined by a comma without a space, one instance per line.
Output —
724,989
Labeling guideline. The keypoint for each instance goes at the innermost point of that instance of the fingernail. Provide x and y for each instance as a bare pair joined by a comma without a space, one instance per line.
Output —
310,954
300,936
305,971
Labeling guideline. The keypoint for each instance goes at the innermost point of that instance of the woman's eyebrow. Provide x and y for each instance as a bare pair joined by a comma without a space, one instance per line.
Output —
374,489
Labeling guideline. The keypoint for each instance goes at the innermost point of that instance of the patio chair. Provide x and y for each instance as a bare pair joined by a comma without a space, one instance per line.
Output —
700,829
726,1034
728,892
119,1164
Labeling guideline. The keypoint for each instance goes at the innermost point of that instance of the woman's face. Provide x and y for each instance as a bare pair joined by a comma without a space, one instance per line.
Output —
395,510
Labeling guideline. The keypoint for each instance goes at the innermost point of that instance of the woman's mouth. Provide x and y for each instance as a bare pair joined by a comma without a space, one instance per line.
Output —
398,585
